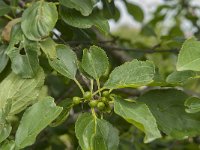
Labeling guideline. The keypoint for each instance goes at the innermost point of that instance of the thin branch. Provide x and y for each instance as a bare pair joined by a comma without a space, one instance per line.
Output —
139,50
88,42
104,44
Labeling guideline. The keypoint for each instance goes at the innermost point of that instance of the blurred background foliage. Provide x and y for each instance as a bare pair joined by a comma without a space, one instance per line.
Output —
157,36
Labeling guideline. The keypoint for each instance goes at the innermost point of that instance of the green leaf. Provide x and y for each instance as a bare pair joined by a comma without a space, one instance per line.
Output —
110,11
3,58
158,79
22,92
75,19
26,65
14,3
5,126
189,56
138,114
95,62
135,11
23,54
66,63
5,129
192,104
8,145
48,46
66,105
39,19
16,35
131,74
34,120
95,134
84,6
4,8
180,77
167,106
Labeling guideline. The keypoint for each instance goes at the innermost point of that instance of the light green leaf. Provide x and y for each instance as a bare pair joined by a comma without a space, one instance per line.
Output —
95,62
138,114
39,19
34,120
66,63
22,92
84,6
5,126
75,19
43,92
131,74
4,8
95,134
135,11
180,77
3,58
189,56
8,145
48,46
192,104
66,105
168,108
26,64
5,129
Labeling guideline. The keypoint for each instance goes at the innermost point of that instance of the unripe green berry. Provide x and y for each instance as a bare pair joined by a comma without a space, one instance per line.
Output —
108,109
87,95
93,103
111,97
105,93
104,99
76,100
100,105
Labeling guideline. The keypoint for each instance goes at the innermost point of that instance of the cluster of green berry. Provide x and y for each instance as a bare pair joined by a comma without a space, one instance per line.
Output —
102,103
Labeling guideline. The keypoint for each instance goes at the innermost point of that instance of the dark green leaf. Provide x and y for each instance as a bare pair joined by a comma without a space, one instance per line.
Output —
75,19
131,74
138,114
168,108
148,30
4,8
66,105
84,6
3,58
14,2
34,120
110,11
96,134
95,62
135,11
176,31
39,19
